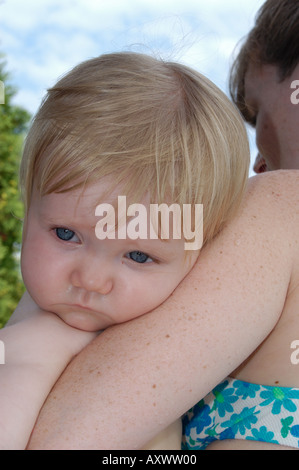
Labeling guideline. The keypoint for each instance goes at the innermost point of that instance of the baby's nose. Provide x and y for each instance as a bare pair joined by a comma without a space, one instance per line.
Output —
92,277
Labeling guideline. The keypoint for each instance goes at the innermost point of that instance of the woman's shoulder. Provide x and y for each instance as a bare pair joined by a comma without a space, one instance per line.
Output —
273,198
268,219
273,187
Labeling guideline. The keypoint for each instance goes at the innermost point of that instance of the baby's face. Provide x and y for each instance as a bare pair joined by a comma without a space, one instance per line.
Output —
92,283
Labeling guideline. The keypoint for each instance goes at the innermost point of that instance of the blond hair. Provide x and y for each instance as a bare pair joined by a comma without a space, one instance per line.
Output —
155,126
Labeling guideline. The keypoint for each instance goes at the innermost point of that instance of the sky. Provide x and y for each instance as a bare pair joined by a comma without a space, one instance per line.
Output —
44,39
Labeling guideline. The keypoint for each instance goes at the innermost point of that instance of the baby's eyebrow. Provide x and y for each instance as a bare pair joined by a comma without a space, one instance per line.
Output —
46,216
49,215
55,220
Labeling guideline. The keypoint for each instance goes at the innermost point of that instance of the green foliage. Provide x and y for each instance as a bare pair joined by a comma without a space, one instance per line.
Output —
13,122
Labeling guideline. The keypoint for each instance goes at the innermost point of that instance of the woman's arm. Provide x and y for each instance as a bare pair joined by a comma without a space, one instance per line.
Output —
37,350
137,378
168,439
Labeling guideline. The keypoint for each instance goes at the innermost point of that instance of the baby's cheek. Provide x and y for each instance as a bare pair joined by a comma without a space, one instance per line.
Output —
33,271
29,276
26,263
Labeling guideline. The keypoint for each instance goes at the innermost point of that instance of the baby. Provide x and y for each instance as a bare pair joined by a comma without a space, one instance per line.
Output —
120,127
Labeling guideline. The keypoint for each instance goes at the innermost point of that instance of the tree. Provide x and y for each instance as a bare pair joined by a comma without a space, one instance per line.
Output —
13,125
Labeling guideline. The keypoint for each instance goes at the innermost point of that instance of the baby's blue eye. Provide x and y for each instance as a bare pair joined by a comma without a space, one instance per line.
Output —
139,256
64,234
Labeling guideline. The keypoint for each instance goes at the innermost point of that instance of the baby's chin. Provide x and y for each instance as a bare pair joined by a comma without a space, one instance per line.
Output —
83,319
